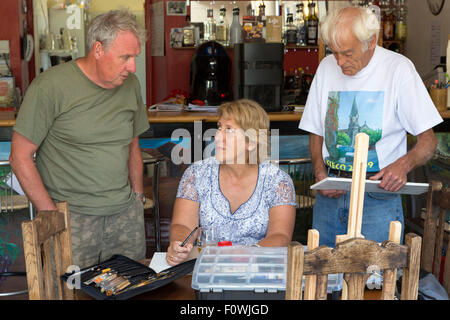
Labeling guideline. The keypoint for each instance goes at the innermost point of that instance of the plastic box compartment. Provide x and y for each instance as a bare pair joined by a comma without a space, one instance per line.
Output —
250,273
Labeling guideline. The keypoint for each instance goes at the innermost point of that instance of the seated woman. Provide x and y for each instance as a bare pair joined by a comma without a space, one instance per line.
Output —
247,201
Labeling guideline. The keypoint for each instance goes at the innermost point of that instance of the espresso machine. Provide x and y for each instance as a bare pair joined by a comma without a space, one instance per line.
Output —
210,75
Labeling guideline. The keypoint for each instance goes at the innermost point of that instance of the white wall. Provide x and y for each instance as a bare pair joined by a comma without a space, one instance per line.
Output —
418,42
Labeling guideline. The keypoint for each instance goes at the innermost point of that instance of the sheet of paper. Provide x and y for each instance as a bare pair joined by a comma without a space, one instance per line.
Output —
193,107
435,55
159,262
157,29
12,181
371,186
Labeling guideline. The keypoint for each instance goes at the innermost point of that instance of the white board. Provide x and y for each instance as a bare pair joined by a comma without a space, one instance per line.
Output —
371,186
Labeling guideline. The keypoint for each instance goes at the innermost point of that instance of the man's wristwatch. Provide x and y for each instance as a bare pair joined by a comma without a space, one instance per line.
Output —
141,196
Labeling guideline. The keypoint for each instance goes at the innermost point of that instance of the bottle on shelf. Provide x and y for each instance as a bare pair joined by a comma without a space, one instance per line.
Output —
290,31
400,24
312,24
210,26
235,28
300,24
388,21
262,19
222,28
188,33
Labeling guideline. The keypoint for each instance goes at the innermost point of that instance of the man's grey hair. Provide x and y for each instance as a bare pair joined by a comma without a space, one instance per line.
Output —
105,27
364,25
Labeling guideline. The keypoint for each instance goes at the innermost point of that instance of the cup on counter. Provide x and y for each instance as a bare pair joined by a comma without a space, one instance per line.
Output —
439,97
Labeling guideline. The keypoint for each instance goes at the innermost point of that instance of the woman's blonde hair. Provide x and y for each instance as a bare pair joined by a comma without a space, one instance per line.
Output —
255,123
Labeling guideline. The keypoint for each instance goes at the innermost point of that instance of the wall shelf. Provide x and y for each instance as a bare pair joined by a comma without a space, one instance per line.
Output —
286,47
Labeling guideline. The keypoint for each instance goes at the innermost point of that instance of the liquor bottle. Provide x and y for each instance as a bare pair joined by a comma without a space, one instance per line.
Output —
388,24
291,31
188,33
222,28
300,24
262,20
400,25
312,24
235,28
210,26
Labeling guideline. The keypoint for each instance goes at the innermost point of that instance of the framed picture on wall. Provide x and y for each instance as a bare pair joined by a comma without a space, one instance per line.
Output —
176,8
176,37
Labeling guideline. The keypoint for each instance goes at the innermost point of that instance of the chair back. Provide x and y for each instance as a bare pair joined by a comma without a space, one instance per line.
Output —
48,253
301,172
434,234
356,258
9,199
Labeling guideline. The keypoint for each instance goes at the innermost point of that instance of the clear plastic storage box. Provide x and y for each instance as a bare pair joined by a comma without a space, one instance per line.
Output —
242,272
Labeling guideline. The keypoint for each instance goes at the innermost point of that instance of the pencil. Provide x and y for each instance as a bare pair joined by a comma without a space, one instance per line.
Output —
188,237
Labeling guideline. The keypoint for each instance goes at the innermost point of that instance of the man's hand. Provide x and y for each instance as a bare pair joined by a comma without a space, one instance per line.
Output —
320,171
393,177
328,193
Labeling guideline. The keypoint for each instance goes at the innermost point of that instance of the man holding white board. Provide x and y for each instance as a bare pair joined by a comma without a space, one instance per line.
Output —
363,87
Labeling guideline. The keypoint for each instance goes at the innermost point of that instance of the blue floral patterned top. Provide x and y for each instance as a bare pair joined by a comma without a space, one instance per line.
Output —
248,224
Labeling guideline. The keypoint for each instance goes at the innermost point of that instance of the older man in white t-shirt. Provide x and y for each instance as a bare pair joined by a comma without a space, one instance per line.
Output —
363,87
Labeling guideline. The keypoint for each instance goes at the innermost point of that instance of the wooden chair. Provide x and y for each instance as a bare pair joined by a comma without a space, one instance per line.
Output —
9,201
355,258
49,230
433,234
300,170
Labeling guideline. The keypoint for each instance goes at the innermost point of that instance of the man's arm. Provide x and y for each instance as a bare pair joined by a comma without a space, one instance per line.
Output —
320,171
22,164
394,176
135,166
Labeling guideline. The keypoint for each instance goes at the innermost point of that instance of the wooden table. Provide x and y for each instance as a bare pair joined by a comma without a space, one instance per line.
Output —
181,289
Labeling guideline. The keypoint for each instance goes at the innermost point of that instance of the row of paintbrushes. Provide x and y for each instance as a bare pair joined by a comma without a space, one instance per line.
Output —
117,277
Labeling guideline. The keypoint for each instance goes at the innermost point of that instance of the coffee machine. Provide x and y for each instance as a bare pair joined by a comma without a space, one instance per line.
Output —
210,75
258,73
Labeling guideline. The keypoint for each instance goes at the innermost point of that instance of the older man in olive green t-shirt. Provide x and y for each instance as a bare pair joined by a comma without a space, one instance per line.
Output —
83,119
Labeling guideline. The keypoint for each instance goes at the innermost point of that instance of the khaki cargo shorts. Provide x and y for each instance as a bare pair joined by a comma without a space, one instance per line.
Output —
97,238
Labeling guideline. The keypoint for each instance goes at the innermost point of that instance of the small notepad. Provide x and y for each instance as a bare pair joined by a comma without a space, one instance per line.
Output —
159,262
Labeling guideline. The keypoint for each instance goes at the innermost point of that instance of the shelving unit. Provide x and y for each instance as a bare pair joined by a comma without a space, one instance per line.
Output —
60,53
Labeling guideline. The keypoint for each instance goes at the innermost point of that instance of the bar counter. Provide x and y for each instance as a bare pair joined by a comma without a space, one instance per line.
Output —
163,123
192,116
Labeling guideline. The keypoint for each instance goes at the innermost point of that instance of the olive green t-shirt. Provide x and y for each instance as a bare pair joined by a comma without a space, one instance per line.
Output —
83,132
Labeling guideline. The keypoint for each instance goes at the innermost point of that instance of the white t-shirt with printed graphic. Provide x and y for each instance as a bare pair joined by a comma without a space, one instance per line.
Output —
385,99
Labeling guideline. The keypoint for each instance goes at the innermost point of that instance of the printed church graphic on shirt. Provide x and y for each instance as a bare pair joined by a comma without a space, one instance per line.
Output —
349,113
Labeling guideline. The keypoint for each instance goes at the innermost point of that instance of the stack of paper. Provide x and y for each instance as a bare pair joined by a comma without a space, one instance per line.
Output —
166,106
194,107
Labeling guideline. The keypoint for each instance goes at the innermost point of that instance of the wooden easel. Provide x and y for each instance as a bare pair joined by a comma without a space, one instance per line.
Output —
355,210
357,191
355,213
355,222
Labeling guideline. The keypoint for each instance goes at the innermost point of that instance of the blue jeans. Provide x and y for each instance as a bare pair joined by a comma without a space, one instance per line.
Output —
330,216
